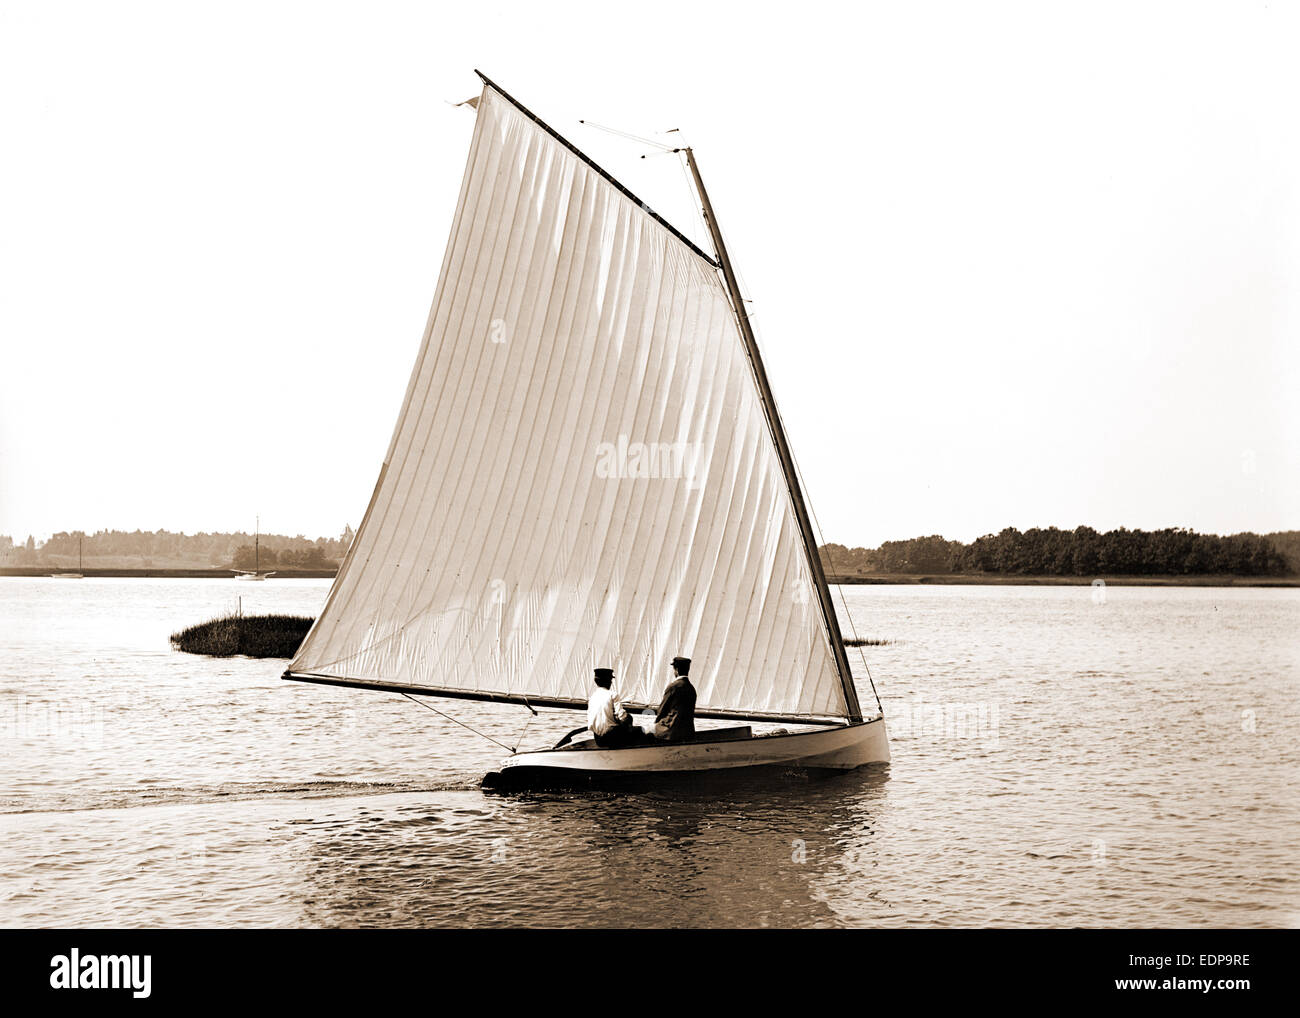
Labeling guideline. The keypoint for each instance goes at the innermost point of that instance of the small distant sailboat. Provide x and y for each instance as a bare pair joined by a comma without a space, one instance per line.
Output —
78,575
589,469
254,573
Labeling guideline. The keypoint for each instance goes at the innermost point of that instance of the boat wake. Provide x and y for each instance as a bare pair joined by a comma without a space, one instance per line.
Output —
128,798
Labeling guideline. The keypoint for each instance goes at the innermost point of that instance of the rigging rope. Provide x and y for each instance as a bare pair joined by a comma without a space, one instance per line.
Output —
532,713
849,615
520,737
461,723
630,137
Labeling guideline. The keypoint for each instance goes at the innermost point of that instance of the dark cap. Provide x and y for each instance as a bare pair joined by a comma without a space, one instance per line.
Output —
683,665
604,673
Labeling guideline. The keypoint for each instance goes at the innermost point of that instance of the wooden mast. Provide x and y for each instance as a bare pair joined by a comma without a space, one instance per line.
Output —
782,447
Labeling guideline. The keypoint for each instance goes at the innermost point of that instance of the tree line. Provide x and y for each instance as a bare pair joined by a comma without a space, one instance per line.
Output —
164,548
1035,552
1079,552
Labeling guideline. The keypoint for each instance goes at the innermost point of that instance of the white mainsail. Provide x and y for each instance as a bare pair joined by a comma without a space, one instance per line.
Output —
582,473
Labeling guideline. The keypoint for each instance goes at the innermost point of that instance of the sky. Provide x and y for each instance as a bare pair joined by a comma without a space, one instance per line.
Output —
1011,264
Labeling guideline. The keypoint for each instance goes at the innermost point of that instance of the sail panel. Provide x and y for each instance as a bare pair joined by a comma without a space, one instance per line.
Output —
582,473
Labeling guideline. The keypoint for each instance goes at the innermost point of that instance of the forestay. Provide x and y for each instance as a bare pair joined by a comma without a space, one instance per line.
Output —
582,473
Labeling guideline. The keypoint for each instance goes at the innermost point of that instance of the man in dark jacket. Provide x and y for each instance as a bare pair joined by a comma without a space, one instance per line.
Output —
676,718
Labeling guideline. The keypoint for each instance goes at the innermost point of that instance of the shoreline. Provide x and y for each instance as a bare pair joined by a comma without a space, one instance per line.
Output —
935,579
1019,580
159,573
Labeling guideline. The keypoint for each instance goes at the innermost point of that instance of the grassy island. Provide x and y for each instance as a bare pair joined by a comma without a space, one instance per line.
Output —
249,635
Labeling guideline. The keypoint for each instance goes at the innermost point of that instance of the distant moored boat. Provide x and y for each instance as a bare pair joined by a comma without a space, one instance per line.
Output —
254,574
78,575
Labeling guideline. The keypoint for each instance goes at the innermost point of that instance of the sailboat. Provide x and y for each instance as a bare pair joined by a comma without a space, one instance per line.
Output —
78,575
254,573
589,470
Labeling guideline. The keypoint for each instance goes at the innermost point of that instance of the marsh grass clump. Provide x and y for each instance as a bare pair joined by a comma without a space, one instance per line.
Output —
867,643
249,635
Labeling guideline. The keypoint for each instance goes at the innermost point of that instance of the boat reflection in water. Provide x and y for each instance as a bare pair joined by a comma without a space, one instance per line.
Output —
732,852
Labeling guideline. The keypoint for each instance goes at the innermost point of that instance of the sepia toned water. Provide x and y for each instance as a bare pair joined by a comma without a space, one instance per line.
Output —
1063,756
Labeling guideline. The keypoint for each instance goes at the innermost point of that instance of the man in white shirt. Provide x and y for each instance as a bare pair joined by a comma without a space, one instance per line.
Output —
609,722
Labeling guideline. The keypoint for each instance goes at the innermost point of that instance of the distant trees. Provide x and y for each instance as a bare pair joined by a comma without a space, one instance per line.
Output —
62,543
249,557
165,549
921,555
840,560
1079,552
1035,552
16,554
1287,542
312,557
294,555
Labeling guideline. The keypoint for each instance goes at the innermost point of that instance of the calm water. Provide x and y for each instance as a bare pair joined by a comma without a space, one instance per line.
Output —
1057,762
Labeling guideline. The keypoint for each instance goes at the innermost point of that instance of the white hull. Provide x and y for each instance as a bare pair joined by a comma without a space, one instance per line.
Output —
843,748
